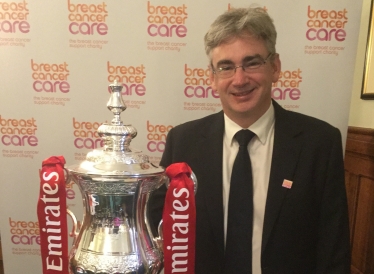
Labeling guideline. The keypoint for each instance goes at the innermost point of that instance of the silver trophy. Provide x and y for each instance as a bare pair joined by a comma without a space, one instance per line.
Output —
116,236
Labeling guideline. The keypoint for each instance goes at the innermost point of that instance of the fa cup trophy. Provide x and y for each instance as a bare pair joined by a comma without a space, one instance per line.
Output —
117,235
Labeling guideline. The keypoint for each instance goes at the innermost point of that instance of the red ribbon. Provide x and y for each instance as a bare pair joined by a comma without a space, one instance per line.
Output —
179,221
52,216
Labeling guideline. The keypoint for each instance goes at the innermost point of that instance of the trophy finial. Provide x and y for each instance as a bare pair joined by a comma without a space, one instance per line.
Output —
116,103
117,136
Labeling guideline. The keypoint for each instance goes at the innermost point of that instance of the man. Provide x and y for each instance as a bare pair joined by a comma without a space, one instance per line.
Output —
300,222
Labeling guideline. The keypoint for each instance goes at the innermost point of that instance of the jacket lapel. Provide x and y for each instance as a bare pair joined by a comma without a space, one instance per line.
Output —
210,157
286,150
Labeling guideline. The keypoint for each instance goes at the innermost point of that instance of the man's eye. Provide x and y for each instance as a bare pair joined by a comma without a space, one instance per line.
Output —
253,63
226,68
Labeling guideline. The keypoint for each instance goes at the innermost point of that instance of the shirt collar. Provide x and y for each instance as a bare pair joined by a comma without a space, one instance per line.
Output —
261,127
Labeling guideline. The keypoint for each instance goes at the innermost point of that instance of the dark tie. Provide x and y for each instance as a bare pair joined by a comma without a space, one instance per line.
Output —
238,253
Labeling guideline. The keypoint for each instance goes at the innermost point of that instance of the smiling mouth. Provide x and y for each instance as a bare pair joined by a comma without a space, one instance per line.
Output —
243,93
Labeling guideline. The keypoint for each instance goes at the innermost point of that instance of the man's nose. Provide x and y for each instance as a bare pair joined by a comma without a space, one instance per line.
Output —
240,77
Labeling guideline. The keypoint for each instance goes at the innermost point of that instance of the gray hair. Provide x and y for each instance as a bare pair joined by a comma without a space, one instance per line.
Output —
240,22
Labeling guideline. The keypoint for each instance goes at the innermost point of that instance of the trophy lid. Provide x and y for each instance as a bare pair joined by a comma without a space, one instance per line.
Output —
117,158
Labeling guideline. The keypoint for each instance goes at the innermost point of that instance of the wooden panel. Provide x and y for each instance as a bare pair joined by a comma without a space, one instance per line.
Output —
359,167
363,245
352,194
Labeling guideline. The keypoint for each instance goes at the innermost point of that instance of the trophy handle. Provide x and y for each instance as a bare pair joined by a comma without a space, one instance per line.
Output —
67,176
76,226
160,239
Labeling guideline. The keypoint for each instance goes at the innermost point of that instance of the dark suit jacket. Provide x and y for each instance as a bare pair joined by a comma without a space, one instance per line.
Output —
306,227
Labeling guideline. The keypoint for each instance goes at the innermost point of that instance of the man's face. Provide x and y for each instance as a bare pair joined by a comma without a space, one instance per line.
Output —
245,96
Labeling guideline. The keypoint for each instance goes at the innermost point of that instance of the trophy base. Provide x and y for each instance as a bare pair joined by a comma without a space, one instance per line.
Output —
79,270
93,263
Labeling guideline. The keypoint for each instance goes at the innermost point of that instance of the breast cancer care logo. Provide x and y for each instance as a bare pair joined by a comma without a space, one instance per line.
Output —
288,85
18,132
157,136
326,25
198,83
50,77
167,21
87,19
131,77
24,232
14,16
86,136
198,88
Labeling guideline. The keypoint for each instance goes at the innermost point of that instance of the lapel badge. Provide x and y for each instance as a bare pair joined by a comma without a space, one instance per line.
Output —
287,183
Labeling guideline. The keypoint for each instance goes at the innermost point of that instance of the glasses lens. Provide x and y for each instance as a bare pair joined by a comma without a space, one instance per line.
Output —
226,71
253,64
248,66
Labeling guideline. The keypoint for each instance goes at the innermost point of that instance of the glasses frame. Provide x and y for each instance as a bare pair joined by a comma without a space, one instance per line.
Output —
217,71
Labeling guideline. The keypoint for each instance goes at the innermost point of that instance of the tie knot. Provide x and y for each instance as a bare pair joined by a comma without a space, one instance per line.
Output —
244,136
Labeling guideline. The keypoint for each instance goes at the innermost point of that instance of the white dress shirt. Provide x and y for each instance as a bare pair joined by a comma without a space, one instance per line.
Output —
260,149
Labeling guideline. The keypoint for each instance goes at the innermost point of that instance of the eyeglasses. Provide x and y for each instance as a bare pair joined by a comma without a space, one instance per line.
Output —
227,70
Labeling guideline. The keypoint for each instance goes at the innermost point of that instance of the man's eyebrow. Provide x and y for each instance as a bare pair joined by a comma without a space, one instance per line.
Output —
245,59
224,62
250,57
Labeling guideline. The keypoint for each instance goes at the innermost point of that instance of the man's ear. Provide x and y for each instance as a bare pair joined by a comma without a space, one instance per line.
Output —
211,78
276,65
